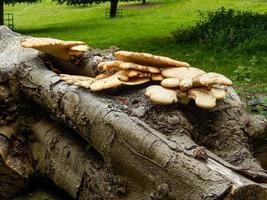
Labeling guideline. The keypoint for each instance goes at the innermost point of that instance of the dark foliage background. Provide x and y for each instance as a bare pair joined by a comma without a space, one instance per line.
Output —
227,29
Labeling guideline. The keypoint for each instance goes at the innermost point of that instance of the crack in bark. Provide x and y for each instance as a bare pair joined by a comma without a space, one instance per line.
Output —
133,150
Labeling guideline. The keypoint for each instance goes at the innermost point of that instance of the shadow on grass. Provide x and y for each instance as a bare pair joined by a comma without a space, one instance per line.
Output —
74,26
140,5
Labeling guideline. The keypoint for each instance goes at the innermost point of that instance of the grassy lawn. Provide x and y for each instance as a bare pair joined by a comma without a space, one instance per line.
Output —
140,29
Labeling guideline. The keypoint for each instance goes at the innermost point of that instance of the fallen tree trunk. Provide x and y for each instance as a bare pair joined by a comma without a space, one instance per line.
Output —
150,146
85,176
32,146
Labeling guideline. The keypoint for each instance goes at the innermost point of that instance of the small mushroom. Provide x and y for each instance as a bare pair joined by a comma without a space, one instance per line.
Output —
133,73
78,50
140,74
185,84
182,72
170,83
58,48
84,84
203,97
211,78
110,82
75,79
161,95
102,76
185,75
157,77
148,59
136,81
106,66
218,93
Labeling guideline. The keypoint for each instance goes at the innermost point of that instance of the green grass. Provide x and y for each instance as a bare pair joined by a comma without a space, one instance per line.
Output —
141,29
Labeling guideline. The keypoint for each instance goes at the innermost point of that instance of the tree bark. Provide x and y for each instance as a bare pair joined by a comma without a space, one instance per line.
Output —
113,8
16,164
85,175
10,181
50,149
1,12
149,146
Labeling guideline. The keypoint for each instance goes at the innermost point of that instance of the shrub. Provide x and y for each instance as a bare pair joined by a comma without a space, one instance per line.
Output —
226,29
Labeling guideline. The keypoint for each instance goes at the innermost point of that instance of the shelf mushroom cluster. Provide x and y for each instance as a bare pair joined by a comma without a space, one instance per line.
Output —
59,48
182,84
178,81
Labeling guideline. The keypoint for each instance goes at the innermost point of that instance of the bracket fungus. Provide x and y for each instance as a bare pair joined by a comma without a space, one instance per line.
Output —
211,78
179,82
170,83
184,75
127,65
82,81
148,59
61,49
182,72
161,95
202,97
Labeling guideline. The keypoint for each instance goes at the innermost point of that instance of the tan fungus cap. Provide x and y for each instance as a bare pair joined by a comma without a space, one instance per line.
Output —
182,72
161,95
148,59
54,47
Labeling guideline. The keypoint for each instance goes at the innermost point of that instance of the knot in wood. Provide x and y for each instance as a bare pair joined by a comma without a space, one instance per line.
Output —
200,153
69,102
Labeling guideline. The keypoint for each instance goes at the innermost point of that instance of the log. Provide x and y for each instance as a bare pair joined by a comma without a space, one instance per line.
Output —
16,165
11,182
53,148
155,149
85,175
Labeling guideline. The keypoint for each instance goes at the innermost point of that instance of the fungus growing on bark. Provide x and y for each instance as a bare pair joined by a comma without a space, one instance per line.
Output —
106,66
140,74
113,81
203,97
170,83
101,76
161,95
218,93
157,77
184,75
179,81
58,48
211,78
78,50
149,59
136,81
182,72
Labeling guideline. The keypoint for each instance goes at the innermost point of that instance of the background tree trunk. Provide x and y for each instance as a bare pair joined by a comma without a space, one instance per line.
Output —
113,8
1,12
147,149
143,2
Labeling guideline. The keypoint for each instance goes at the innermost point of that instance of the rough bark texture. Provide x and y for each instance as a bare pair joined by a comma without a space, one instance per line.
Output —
16,164
10,182
150,146
85,175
